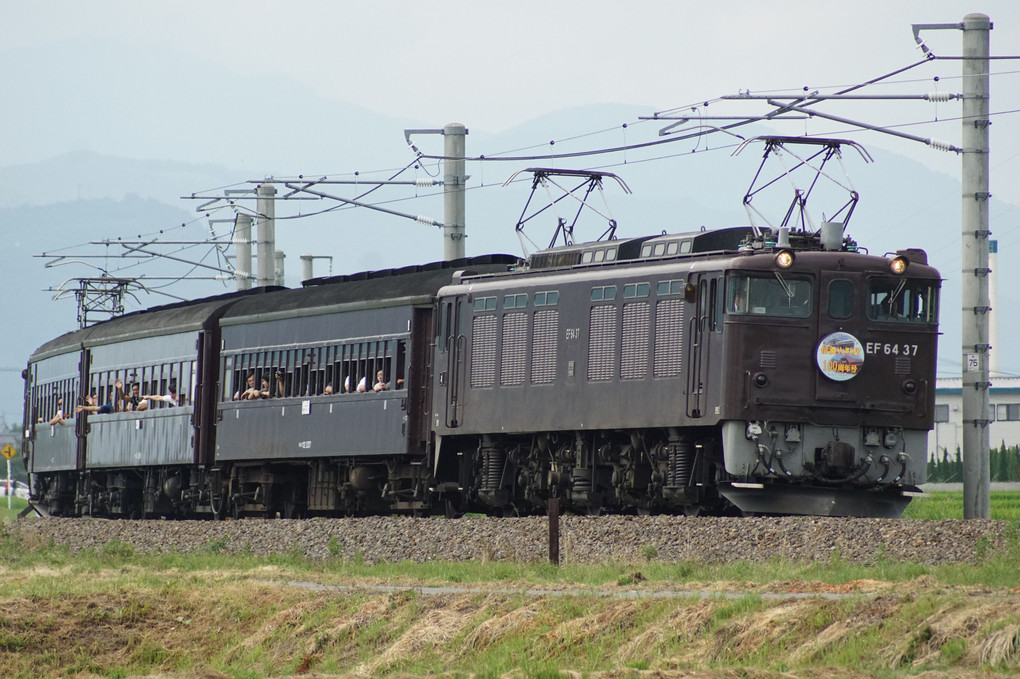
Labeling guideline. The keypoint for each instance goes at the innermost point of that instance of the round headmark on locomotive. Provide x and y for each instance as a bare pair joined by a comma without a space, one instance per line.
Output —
840,356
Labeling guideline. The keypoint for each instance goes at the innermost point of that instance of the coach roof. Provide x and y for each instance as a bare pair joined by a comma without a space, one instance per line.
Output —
406,285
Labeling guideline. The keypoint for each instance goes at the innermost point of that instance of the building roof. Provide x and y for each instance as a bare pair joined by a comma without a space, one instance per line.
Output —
1000,385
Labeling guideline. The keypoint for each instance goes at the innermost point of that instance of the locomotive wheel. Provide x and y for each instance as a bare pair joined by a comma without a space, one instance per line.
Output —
293,510
133,510
451,510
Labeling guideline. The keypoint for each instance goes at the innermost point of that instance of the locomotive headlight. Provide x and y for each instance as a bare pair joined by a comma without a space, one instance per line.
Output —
784,259
898,264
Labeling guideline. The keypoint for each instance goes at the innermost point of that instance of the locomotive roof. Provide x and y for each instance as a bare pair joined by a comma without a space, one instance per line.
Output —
407,285
158,320
646,247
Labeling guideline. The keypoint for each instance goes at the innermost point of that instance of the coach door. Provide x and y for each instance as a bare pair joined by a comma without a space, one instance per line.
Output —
452,358
81,426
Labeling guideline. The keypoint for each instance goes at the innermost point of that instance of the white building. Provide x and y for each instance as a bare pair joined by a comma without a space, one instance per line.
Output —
1004,415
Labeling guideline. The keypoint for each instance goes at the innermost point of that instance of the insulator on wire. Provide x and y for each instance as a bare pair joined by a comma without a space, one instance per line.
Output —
427,182
422,219
940,145
939,96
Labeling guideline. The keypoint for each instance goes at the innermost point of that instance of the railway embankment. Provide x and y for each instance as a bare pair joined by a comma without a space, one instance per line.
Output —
583,540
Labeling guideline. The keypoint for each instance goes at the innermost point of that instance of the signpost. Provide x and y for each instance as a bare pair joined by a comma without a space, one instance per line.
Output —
8,451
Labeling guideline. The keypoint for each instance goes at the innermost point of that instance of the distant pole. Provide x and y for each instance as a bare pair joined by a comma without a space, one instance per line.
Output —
278,270
976,485
454,145
242,250
266,235
307,269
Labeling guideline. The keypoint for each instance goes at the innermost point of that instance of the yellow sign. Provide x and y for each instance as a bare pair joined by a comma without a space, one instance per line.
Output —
8,451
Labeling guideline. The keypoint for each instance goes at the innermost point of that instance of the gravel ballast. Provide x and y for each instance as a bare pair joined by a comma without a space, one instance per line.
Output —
583,540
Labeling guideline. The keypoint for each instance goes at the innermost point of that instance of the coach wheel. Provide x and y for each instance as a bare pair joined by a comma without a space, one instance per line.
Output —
218,505
236,507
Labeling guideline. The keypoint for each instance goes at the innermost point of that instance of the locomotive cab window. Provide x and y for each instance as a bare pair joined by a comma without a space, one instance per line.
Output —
901,300
773,294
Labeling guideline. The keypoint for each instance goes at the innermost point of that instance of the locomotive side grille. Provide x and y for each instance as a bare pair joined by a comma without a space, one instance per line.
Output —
543,346
602,343
902,365
768,359
515,348
483,351
636,324
669,336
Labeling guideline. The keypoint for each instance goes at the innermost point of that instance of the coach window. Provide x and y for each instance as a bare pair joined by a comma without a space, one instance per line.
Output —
841,298
606,293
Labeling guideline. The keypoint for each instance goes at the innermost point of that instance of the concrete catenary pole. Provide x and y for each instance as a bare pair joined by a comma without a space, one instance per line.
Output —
454,145
266,235
975,344
242,251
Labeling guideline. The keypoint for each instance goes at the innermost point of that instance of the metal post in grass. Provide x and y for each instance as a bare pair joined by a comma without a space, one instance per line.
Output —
554,531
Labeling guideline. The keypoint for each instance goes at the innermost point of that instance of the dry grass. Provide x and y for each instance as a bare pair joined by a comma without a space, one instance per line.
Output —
219,621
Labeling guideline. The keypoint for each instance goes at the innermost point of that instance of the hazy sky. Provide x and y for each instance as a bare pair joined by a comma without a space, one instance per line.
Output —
495,64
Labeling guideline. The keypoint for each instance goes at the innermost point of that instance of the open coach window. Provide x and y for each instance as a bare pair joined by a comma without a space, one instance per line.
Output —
901,300
772,294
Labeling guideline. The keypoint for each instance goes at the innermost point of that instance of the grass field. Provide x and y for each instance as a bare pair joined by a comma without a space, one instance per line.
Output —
111,612
1005,505
17,504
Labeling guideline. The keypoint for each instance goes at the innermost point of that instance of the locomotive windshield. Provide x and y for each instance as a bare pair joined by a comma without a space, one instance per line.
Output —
902,300
771,294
